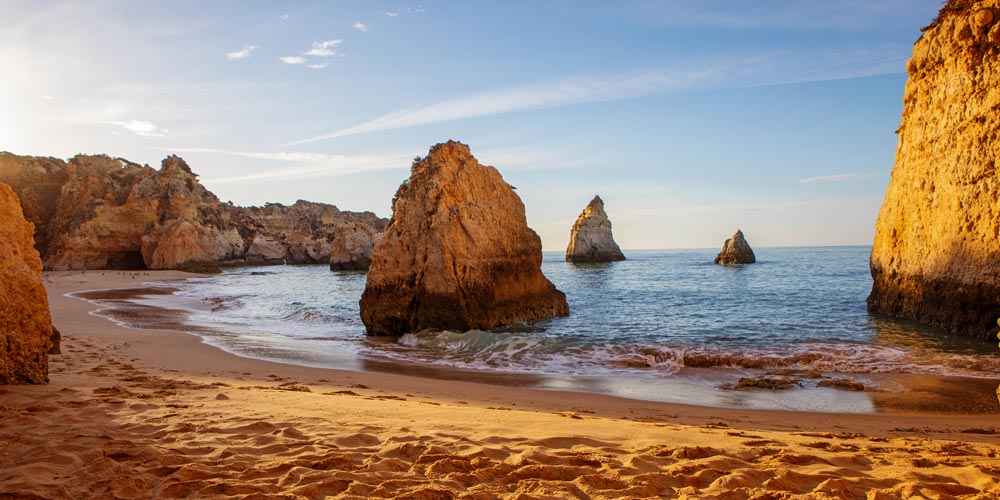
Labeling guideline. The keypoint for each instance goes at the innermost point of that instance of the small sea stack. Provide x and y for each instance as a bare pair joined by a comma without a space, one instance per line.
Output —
352,246
935,254
590,240
736,250
458,253
25,324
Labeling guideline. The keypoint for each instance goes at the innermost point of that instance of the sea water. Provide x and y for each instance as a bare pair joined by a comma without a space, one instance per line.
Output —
667,316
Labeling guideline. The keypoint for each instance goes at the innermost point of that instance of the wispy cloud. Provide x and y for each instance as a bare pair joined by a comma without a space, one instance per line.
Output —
324,48
306,165
360,26
836,178
760,70
392,14
139,127
285,17
243,53
292,59
319,65
741,208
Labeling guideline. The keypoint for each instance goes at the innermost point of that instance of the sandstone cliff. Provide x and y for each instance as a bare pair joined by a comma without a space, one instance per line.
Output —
352,246
590,240
458,253
25,324
936,256
98,212
736,250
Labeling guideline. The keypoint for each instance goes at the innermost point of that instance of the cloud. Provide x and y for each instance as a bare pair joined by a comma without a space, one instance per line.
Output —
306,165
836,178
324,48
319,65
741,208
243,53
138,127
361,26
285,17
761,70
292,60
392,14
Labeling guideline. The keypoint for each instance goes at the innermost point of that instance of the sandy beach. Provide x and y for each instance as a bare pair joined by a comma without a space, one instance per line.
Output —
159,414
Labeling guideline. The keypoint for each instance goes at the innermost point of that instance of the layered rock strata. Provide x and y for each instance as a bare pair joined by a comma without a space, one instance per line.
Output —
25,325
457,254
736,250
590,239
98,212
936,255
352,246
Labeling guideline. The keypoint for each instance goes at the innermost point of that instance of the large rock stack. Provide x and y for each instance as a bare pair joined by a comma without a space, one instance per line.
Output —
25,324
457,254
590,239
936,257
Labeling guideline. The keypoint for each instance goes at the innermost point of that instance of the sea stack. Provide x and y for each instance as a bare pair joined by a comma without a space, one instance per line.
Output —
458,253
590,240
352,246
736,250
936,256
25,324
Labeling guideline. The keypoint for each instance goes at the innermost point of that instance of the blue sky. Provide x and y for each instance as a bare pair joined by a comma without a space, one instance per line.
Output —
690,119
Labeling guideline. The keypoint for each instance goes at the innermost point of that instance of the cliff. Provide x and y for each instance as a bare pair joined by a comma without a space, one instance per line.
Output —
590,239
936,256
458,253
736,250
352,246
25,324
98,212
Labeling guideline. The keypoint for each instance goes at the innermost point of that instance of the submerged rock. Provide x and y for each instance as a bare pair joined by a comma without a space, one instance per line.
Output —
736,250
590,240
25,324
458,253
352,247
936,255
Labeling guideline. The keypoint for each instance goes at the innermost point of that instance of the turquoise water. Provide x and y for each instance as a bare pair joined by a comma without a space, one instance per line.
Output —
654,316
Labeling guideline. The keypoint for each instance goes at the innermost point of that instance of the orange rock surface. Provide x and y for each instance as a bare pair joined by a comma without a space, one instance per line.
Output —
458,253
936,257
590,239
25,324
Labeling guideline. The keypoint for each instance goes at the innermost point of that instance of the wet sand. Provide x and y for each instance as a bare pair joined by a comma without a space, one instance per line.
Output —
154,413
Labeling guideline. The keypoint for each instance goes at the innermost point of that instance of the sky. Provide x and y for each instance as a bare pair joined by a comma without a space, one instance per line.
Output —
690,118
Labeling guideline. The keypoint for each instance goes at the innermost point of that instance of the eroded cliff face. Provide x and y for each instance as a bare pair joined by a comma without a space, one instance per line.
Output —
25,324
352,246
936,256
590,239
458,253
98,212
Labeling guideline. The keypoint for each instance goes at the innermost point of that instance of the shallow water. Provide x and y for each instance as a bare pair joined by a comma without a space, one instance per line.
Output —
662,325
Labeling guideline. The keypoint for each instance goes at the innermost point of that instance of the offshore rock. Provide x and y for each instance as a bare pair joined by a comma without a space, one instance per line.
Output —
590,240
352,247
458,253
736,250
25,324
936,255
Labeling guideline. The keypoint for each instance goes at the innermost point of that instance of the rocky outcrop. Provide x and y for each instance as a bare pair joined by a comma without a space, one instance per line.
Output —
936,256
736,250
590,240
458,253
352,246
98,212
25,324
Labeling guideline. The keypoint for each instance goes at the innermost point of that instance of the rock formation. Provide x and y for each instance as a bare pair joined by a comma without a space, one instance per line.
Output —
352,246
25,324
590,240
98,212
936,256
736,250
457,254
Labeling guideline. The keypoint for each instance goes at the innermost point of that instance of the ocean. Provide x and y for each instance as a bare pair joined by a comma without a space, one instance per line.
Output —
665,325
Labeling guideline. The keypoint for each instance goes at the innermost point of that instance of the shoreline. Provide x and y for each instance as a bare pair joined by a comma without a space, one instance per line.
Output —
151,413
139,307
